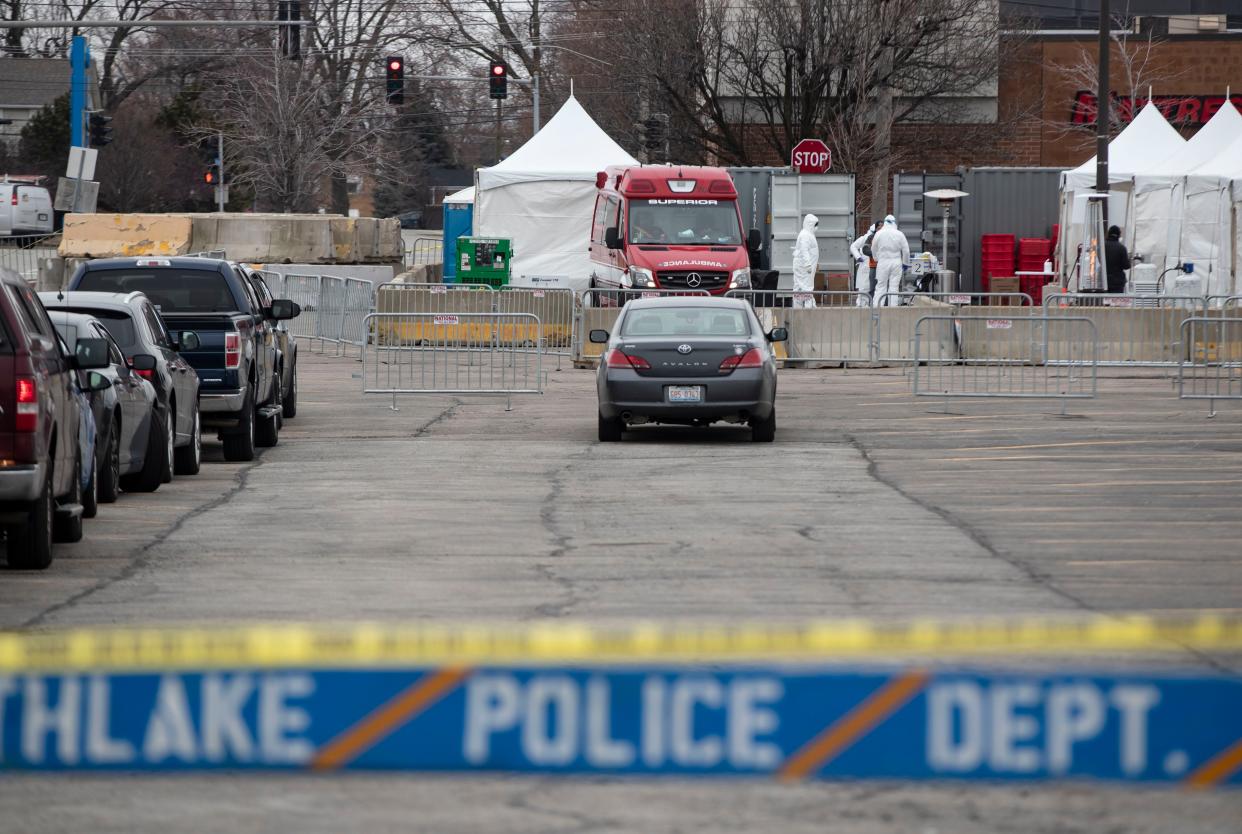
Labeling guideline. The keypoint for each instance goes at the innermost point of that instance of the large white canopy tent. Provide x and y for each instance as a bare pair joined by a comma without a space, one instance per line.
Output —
1146,142
1161,196
543,197
1211,210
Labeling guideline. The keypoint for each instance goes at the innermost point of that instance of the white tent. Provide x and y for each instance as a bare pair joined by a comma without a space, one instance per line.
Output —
461,198
1213,194
1146,142
543,198
1159,192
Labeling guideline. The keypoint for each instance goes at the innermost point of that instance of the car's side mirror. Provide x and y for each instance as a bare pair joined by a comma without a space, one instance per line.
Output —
283,309
599,337
778,334
612,237
754,240
142,362
95,381
188,340
91,353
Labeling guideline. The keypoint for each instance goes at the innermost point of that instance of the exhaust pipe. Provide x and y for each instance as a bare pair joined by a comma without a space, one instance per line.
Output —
627,416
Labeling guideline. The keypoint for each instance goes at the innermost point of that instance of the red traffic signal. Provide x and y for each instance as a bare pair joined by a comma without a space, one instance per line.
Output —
498,80
211,176
394,79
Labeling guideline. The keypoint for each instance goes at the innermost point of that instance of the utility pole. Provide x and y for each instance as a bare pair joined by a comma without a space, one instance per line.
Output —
1102,109
500,53
537,55
79,60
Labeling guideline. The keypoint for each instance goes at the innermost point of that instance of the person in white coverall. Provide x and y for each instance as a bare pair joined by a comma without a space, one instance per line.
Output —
805,261
892,252
862,270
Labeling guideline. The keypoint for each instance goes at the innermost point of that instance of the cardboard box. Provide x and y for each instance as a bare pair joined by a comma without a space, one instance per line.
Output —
833,282
1007,284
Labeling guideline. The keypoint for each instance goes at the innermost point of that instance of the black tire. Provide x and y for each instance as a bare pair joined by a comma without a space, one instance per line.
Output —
239,444
610,430
69,528
151,476
170,435
267,429
30,543
90,493
108,467
764,431
188,459
289,407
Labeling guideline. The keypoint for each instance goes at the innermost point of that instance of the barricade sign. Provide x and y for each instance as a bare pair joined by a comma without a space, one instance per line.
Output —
705,700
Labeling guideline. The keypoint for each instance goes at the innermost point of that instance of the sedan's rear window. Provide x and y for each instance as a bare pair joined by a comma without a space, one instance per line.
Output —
686,321
172,290
119,324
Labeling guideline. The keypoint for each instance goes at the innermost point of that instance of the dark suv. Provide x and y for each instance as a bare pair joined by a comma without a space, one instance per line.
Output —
40,455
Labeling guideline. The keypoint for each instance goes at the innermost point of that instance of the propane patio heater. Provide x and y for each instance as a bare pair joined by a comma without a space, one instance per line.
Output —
946,280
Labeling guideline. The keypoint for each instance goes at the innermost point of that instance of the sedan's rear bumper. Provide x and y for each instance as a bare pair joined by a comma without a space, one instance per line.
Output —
743,394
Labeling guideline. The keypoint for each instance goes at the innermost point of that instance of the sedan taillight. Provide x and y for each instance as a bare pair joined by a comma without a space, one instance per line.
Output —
27,417
619,359
750,359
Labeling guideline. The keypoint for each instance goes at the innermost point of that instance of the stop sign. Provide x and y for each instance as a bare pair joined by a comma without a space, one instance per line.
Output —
811,156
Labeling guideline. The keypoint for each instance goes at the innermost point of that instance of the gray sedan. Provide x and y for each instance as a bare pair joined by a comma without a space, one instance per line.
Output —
688,361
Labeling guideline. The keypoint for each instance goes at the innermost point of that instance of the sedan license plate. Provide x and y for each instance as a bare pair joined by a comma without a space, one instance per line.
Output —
684,393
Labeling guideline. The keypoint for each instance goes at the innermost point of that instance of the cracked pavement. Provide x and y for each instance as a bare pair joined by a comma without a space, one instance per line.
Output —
452,509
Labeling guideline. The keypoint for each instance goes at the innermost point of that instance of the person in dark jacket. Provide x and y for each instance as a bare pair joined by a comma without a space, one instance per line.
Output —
1116,260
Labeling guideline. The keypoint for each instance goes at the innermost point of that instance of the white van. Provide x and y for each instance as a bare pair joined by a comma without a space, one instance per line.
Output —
24,210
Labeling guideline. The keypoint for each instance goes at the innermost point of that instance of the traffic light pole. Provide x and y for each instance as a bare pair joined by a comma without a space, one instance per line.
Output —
220,185
79,60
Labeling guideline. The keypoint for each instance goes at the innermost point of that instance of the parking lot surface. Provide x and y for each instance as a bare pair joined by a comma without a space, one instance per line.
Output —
869,504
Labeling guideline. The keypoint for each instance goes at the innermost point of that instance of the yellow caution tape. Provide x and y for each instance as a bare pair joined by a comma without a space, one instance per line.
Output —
372,644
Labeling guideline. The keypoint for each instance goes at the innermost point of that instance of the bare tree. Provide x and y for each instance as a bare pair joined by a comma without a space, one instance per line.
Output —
284,131
1135,67
145,168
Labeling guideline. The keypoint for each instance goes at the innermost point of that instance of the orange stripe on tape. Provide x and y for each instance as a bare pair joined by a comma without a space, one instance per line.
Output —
383,721
852,726
1218,769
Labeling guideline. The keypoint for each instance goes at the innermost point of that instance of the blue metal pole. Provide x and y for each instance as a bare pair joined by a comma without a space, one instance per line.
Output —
79,59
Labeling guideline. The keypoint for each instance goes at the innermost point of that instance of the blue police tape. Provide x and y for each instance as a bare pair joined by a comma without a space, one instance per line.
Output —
790,722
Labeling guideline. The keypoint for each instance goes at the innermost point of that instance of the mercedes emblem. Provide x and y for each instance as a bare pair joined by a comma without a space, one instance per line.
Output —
693,280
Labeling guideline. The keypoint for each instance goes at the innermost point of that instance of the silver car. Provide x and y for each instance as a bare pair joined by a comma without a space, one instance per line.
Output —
688,361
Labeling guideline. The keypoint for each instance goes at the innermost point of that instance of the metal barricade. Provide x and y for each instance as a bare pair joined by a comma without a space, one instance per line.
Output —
304,290
426,250
453,353
394,297
217,254
1134,330
620,296
823,326
358,304
24,253
893,334
330,323
556,309
1019,357
1230,305
1211,369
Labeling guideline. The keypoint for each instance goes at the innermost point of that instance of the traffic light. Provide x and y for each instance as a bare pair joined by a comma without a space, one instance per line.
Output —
212,176
100,133
394,72
498,78
653,133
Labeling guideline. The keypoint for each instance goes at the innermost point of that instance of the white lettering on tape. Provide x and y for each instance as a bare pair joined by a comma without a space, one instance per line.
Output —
101,747
39,718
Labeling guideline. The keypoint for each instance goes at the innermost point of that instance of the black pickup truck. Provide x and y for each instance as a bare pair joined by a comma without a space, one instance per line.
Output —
236,356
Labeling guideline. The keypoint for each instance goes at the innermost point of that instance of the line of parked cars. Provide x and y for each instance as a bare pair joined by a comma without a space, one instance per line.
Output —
107,386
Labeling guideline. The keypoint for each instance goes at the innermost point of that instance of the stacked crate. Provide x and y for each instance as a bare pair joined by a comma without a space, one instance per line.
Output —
997,257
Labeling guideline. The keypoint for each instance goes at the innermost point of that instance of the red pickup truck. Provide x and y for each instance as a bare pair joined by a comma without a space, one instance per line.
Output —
40,455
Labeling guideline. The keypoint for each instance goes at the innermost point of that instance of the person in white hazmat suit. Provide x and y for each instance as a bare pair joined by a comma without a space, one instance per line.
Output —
862,269
805,261
892,253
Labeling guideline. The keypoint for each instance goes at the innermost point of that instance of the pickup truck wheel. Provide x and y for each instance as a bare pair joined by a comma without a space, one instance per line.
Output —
69,528
108,472
30,543
188,459
267,429
151,476
290,405
239,444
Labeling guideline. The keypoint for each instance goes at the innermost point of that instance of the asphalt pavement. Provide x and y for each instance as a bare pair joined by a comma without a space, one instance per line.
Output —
870,503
